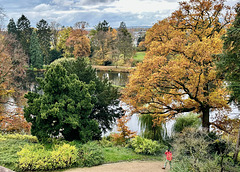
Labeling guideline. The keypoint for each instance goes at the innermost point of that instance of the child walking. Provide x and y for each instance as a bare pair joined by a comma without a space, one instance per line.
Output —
168,154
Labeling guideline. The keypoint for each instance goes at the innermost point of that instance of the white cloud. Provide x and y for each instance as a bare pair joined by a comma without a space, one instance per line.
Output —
140,6
63,2
67,12
42,7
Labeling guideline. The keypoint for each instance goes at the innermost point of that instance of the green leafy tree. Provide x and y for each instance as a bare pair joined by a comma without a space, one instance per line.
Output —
229,63
63,35
36,57
124,42
55,54
63,109
105,97
44,36
24,32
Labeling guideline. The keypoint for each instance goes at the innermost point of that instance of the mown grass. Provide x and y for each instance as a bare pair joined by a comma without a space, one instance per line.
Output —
8,152
139,56
118,154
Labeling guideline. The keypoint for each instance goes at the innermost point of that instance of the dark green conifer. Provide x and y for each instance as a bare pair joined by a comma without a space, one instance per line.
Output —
36,58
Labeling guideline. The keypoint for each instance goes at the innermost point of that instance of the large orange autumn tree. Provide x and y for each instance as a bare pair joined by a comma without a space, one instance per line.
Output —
178,73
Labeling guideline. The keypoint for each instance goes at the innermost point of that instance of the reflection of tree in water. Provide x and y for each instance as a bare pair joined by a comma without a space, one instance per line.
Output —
116,78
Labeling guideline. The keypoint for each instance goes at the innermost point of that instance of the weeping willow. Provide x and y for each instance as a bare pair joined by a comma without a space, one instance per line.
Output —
149,129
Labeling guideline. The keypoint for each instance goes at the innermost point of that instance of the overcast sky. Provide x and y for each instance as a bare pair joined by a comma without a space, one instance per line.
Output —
68,12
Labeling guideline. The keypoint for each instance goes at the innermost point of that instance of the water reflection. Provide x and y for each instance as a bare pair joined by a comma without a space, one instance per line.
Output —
116,78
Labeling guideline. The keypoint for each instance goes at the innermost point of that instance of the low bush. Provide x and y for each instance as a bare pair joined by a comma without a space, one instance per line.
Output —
90,154
146,146
29,138
105,142
37,157
190,120
196,150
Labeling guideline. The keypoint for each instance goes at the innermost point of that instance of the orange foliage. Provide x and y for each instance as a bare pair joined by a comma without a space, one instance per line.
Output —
178,73
14,123
79,42
125,133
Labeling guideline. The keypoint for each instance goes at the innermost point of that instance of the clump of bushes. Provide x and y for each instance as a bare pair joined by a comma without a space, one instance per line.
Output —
198,150
146,146
190,120
105,142
37,157
90,154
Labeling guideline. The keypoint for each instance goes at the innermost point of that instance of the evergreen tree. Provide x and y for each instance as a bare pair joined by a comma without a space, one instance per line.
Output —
63,109
105,97
229,65
24,32
103,26
35,52
44,36
124,41
12,28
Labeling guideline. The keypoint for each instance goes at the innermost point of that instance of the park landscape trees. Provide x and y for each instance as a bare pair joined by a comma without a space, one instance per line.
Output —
178,75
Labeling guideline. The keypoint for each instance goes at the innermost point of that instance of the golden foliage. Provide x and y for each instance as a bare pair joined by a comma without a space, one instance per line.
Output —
178,73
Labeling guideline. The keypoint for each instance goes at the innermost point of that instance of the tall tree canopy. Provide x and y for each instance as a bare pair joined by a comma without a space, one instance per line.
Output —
24,32
178,73
78,42
103,43
44,37
124,42
63,35
36,56
12,28
229,63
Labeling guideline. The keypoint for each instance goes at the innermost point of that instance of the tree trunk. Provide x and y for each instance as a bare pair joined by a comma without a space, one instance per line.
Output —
205,118
237,147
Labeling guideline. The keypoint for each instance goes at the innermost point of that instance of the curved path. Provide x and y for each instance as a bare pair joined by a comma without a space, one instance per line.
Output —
134,166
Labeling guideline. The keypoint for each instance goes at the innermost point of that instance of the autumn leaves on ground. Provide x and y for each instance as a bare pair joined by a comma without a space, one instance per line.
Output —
191,68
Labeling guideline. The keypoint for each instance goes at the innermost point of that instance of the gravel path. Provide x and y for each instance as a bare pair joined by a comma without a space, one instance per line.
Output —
134,166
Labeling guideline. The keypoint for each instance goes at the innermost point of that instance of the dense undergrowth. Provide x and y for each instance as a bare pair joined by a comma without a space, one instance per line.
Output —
193,150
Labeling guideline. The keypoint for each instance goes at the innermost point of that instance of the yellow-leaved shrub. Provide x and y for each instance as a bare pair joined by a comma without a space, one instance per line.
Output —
37,157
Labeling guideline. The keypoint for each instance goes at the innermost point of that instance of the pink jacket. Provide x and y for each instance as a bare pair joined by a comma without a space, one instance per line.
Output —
169,155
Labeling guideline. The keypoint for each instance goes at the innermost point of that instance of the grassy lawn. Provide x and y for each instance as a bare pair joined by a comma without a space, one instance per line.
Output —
117,154
8,152
139,56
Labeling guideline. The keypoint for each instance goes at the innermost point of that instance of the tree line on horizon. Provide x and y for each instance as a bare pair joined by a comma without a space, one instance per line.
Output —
47,42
